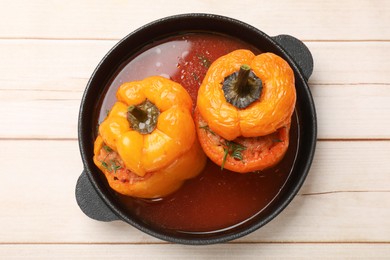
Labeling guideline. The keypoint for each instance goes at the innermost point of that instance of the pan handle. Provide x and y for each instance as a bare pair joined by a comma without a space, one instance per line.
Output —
90,202
298,51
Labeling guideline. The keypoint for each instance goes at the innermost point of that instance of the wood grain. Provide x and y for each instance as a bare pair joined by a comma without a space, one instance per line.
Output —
336,20
228,251
48,51
331,207
53,114
67,65
51,90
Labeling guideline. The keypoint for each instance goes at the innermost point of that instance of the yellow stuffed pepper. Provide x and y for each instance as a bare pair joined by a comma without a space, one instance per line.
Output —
147,145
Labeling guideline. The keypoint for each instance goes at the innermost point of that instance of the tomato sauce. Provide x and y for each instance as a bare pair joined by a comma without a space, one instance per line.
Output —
216,199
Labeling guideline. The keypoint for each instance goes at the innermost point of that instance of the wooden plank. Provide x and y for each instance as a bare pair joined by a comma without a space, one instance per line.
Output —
346,198
349,104
352,111
49,65
39,118
350,166
344,111
67,65
350,63
334,19
223,251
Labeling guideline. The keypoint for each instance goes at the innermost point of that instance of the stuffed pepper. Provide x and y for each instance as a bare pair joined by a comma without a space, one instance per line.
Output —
147,145
244,110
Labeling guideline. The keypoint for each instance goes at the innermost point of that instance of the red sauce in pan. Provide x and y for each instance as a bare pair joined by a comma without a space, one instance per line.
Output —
215,200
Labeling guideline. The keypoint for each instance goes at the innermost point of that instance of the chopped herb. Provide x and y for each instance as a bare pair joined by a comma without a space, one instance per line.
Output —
232,149
115,166
204,61
277,140
107,148
107,111
207,128
196,76
105,165
112,167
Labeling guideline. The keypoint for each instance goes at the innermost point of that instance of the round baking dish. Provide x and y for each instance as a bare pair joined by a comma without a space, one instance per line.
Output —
92,194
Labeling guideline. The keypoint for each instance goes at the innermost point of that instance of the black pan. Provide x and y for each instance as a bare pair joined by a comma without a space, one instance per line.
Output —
93,196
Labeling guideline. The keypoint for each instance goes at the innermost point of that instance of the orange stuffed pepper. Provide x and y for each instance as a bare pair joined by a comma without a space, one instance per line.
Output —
244,110
147,145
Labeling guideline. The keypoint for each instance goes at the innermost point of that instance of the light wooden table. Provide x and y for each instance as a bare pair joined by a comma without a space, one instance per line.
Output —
48,50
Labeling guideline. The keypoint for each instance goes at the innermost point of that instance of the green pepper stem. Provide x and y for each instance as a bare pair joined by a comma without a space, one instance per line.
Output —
143,117
242,87
242,79
138,113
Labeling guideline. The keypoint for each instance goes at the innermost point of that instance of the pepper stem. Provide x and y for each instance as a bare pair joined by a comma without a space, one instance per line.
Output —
138,113
143,117
242,80
242,88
